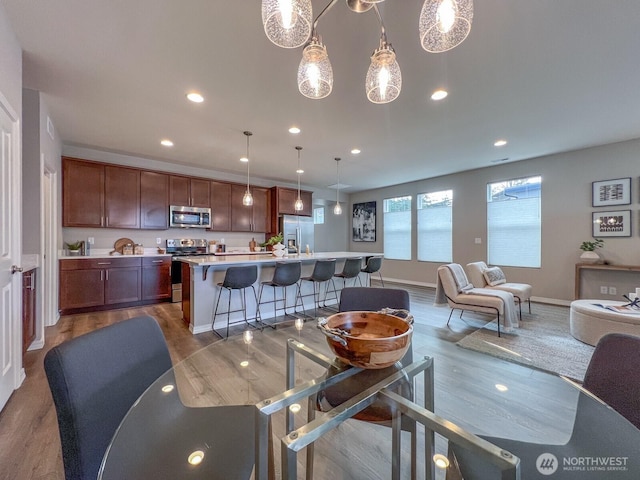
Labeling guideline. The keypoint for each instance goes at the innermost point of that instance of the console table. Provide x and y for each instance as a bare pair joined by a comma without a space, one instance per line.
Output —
580,267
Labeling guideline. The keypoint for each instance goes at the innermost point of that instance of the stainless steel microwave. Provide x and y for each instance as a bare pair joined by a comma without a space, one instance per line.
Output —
189,217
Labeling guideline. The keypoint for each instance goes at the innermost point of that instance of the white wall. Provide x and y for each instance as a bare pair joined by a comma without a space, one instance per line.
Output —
10,64
566,215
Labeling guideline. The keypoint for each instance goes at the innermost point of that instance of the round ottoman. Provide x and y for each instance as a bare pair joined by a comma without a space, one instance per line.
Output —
589,322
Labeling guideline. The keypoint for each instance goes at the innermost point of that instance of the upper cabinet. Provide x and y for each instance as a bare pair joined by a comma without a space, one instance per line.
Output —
255,218
189,192
154,200
284,199
98,195
104,195
220,206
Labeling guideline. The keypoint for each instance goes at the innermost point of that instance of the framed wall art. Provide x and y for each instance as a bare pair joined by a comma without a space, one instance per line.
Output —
611,192
612,224
363,222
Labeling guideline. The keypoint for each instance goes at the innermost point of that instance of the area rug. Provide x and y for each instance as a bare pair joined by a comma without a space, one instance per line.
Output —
543,341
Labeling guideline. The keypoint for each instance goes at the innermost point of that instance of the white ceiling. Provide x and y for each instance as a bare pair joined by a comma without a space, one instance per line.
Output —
548,75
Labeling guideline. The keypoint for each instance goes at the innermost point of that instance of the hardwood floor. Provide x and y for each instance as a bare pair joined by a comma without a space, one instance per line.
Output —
29,442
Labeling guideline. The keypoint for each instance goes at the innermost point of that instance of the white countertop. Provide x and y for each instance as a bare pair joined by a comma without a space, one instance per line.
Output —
222,260
115,255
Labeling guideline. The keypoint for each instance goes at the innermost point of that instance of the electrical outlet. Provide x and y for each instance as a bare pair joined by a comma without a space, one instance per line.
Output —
478,241
91,240
158,241
613,291
604,290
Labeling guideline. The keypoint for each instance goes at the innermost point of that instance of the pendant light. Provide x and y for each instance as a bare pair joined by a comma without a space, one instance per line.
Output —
298,205
315,75
247,199
444,24
287,23
384,79
337,209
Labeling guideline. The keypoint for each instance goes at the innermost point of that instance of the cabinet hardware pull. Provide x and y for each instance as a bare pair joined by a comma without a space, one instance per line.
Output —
101,272
157,261
102,221
104,263
107,275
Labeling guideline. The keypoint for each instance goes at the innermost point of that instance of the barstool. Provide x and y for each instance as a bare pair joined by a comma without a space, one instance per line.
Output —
284,275
374,264
323,271
237,278
350,269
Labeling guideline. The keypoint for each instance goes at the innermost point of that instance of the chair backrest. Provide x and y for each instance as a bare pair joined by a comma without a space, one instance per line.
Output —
474,272
373,299
240,277
351,268
613,374
373,265
450,285
286,273
323,270
94,380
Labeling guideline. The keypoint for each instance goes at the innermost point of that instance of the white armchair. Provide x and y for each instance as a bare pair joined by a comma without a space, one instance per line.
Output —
454,289
479,274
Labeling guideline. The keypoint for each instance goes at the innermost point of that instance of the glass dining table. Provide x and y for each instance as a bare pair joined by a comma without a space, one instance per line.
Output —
276,403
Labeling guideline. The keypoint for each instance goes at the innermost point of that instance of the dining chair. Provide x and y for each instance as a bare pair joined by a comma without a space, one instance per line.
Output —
370,299
239,279
94,380
613,374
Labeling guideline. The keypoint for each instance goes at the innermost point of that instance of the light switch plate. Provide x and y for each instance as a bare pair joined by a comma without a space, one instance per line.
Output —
478,240
158,241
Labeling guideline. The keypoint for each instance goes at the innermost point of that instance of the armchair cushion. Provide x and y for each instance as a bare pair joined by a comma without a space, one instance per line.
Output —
494,276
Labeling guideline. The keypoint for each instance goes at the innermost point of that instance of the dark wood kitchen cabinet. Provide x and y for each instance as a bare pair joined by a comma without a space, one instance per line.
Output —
28,308
189,192
255,218
99,195
100,282
154,200
283,200
156,278
221,206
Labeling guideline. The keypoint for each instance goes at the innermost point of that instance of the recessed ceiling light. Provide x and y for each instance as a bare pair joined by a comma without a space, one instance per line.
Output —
244,159
294,130
500,143
355,151
195,97
166,143
196,457
439,94
300,171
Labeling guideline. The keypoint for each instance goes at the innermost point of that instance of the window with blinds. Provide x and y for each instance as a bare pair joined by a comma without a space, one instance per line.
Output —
514,222
435,226
397,228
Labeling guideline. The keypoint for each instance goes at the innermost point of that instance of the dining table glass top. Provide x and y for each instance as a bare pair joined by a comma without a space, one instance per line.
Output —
546,421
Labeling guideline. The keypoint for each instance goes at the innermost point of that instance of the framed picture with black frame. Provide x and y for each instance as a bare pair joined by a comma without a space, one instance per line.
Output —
611,192
615,223
363,222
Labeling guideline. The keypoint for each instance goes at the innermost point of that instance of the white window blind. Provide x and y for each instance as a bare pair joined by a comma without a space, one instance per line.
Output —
318,215
435,226
397,228
514,222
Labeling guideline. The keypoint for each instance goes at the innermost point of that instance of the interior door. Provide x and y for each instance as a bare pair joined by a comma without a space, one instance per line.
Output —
10,283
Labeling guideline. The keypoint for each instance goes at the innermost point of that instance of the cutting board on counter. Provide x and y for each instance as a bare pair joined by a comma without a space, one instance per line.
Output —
119,245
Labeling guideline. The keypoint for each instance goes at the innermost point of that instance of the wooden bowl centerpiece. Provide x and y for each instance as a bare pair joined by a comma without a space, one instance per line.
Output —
367,339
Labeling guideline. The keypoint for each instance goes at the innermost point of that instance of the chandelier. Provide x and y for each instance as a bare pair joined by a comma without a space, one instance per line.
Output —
442,25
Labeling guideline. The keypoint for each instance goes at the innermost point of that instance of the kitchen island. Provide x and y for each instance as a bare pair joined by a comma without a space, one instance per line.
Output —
201,275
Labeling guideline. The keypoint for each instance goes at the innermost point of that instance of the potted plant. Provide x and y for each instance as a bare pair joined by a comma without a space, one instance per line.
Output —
74,247
273,240
589,254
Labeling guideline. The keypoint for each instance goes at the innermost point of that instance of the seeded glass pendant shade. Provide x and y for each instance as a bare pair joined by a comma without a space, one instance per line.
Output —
337,209
384,79
315,75
298,205
444,24
287,23
247,199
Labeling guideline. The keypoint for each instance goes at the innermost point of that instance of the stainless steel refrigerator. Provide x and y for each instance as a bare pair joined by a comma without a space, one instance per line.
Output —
297,232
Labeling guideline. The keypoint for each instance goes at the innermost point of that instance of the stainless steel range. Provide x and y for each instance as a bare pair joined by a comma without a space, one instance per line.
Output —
182,247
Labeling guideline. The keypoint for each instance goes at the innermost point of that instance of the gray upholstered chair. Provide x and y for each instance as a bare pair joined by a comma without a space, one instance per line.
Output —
456,291
94,380
478,273
369,299
239,279
613,374
373,265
